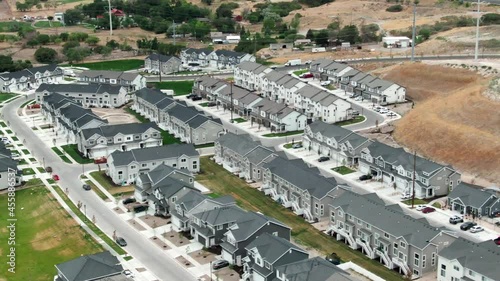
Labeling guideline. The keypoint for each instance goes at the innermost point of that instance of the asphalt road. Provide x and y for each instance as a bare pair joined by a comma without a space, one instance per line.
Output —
141,248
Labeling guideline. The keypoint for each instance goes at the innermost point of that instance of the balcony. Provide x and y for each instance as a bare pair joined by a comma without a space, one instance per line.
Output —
284,201
385,258
231,167
404,267
307,215
366,247
347,236
296,208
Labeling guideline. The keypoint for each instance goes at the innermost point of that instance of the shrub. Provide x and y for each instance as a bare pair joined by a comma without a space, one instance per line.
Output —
46,55
395,8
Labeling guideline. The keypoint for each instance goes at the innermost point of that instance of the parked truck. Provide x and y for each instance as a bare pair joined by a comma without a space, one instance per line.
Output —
293,62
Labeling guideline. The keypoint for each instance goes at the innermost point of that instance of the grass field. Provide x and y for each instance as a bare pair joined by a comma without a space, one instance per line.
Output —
291,133
239,120
181,88
46,236
6,96
46,24
14,26
73,152
106,182
357,119
343,170
221,182
290,145
302,71
116,65
97,190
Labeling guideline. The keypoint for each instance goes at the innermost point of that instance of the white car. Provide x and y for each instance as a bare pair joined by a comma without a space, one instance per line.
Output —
325,83
476,228
420,207
15,155
359,98
128,273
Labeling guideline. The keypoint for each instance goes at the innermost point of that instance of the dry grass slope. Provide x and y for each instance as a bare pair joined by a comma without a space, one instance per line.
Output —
452,121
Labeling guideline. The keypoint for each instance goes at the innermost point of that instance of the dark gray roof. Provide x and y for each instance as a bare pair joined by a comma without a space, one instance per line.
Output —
183,113
249,223
190,200
229,53
161,172
170,186
80,88
152,96
471,195
258,154
241,144
121,158
6,163
303,178
28,72
198,51
160,57
221,215
482,258
254,67
199,120
90,267
314,269
394,222
271,247
109,74
112,130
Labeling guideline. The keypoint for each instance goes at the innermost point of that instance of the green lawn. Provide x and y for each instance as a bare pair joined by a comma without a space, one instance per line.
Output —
298,72
211,144
416,202
14,26
15,139
289,145
2,124
72,150
22,162
291,133
357,119
8,132
89,223
46,23
40,169
167,137
116,65
343,170
28,171
97,190
239,120
221,182
25,151
112,188
181,88
46,236
188,72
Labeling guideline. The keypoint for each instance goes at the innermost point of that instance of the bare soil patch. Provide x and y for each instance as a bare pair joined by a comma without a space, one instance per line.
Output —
115,115
154,222
203,257
137,225
182,260
227,274
160,243
176,238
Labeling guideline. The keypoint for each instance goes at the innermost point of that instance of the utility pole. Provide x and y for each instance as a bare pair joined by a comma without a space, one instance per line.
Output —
173,24
413,33
159,66
231,108
413,181
110,19
476,51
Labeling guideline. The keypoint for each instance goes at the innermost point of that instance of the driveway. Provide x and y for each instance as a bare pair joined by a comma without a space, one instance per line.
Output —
108,221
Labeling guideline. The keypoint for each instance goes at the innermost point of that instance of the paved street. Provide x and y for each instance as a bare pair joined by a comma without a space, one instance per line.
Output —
142,249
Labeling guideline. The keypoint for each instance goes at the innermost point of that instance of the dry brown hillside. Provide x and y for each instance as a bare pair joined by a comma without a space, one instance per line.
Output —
452,121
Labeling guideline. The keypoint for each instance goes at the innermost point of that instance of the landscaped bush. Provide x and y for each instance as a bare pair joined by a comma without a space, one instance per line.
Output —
395,8
46,55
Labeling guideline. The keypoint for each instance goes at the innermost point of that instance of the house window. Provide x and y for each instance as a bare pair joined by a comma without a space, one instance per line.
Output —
368,226
268,265
471,273
402,244
443,270
456,268
386,235
416,273
349,217
433,259
129,138
119,139
359,221
332,216
183,160
132,167
395,249
219,227
144,165
195,166
174,165
341,214
424,257
416,259
191,180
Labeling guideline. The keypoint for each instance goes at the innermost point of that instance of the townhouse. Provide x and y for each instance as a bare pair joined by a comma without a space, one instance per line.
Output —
193,202
472,199
241,155
277,116
226,59
358,83
68,117
150,102
467,260
160,184
318,104
248,75
100,266
9,174
88,95
195,57
386,233
313,269
30,78
168,64
266,253
123,167
248,227
129,80
101,141
340,144
395,168
206,87
294,185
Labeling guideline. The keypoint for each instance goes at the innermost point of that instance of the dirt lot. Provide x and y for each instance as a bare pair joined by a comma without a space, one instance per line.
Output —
452,122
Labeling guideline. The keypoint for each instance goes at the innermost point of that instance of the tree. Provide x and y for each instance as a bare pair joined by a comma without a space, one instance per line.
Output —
72,17
295,21
50,18
32,42
39,6
92,40
46,55
349,33
77,54
112,44
322,38
208,2
369,33
64,36
224,11
310,35
43,39
23,6
425,34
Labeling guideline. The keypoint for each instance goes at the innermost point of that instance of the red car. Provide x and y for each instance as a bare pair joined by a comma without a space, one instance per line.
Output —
497,240
306,75
428,210
55,177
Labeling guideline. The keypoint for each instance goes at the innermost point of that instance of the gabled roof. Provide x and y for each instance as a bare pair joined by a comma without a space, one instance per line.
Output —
28,72
416,232
249,223
121,158
90,267
241,144
160,57
329,130
170,186
254,67
161,172
228,53
191,199
80,88
303,178
200,119
198,51
153,96
108,74
6,163
271,247
482,258
221,215
113,130
258,154
183,113
314,269
471,195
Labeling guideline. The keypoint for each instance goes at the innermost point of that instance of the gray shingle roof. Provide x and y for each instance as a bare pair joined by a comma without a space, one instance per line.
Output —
221,216
28,72
183,113
80,88
394,222
329,130
303,178
7,163
241,144
161,172
113,130
108,74
169,186
272,247
200,119
160,57
471,195
254,67
314,269
152,96
229,53
121,158
482,258
258,154
249,223
90,267
190,200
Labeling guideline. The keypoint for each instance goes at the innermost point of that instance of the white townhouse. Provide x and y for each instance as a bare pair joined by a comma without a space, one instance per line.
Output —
167,64
123,167
195,57
30,78
248,74
322,105
226,59
129,80
88,95
150,102
104,140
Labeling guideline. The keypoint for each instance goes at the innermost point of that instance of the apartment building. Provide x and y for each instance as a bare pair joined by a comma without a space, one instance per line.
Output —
30,78
129,80
88,95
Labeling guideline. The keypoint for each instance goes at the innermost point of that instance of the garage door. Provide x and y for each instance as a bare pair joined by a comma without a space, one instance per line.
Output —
202,240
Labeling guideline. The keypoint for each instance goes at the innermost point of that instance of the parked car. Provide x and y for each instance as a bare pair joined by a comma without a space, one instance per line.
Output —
420,207
325,83
365,177
196,98
358,98
308,62
497,240
333,258
55,177
297,145
476,228
128,200
190,96
355,113
86,187
391,114
306,75
456,219
15,155
140,208
467,225
323,159
128,273
120,241
211,104
218,264
427,210
495,214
